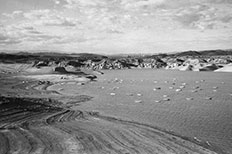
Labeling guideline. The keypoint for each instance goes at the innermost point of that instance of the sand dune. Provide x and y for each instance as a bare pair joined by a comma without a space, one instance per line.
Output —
58,77
13,68
32,126
226,68
42,70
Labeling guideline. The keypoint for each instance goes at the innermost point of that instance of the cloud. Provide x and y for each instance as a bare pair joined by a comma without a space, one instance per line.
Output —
219,1
70,4
37,14
226,19
87,23
188,19
44,17
6,39
14,14
84,2
40,38
201,16
59,22
15,34
57,2
132,4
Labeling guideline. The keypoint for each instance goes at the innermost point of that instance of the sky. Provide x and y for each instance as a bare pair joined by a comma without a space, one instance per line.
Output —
115,26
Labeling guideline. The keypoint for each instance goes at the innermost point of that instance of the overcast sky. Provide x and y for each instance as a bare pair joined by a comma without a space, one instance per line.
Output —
115,26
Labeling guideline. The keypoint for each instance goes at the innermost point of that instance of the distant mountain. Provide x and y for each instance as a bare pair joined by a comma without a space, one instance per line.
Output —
203,53
23,57
188,53
85,56
216,52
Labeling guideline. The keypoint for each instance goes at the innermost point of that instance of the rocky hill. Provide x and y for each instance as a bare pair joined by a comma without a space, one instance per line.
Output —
208,60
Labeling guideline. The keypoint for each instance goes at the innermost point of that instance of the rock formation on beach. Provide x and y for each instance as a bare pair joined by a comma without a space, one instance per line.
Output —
184,61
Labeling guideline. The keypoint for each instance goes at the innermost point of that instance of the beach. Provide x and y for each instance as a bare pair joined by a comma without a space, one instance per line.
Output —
122,111
205,117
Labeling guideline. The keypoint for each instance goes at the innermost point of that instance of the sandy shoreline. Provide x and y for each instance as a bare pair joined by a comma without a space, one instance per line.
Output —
53,132
61,122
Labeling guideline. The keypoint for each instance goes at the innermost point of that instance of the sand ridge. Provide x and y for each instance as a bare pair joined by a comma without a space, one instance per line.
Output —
41,128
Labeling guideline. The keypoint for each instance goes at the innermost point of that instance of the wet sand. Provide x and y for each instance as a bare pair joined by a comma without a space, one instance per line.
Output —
119,113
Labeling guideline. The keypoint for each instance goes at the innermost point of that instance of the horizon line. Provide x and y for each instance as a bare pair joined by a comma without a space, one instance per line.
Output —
3,51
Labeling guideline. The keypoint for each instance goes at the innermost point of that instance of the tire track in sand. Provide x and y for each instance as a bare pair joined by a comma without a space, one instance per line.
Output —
30,126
